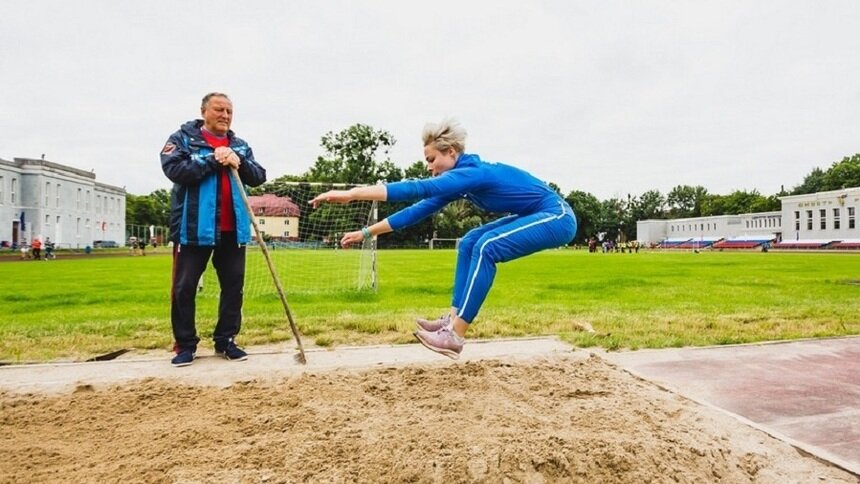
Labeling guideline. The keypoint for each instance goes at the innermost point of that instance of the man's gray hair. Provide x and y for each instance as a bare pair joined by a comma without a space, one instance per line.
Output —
209,96
447,134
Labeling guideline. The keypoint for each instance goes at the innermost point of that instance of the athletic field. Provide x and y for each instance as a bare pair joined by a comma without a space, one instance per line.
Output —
76,308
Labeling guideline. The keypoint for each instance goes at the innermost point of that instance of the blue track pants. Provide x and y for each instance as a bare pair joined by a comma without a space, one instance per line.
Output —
502,240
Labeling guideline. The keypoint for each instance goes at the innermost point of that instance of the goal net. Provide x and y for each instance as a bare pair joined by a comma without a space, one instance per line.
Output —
304,244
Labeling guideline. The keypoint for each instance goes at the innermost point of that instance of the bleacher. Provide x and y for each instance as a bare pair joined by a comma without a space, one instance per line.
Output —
744,242
846,244
807,244
673,243
699,243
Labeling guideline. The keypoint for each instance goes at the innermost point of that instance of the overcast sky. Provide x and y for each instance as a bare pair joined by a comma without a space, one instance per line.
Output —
608,97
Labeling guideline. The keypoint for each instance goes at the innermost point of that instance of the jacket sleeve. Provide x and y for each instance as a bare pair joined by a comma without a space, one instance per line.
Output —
417,212
180,166
251,173
449,185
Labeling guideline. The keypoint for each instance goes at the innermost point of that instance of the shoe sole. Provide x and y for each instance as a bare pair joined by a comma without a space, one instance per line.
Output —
442,351
180,365
231,359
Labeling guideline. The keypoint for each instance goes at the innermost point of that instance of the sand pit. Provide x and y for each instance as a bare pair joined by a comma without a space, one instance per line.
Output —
538,420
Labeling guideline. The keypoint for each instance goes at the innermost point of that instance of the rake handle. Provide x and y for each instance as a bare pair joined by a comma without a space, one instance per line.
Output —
272,271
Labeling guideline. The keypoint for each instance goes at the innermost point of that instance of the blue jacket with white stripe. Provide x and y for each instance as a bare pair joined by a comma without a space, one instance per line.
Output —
495,187
189,162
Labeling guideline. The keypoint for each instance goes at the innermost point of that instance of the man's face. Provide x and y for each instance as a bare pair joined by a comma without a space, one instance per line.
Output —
217,115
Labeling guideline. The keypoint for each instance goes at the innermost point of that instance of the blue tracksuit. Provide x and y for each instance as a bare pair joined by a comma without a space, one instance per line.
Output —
539,219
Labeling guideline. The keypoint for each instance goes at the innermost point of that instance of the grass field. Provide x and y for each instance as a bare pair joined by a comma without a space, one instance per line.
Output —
78,308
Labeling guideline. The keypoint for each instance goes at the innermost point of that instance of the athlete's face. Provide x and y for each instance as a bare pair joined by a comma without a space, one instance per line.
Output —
439,162
218,115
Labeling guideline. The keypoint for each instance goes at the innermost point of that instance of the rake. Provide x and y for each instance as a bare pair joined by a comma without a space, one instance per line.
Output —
300,356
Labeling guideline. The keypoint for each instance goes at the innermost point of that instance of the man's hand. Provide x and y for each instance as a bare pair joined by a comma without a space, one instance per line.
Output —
226,157
332,196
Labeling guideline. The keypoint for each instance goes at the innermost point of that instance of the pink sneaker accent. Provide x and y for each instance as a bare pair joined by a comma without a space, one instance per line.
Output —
434,325
443,341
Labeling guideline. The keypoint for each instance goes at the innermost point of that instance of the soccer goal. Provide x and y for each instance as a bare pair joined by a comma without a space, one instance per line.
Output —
439,243
304,244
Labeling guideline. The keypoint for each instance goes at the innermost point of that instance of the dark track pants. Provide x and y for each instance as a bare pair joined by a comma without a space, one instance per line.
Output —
189,262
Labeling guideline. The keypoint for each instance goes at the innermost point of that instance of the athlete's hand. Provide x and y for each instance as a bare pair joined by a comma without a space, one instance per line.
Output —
350,238
332,196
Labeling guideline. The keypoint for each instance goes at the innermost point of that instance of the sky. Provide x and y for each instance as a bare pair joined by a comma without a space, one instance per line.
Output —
608,97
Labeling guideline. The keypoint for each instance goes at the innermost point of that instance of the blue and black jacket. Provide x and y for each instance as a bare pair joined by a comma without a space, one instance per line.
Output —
189,162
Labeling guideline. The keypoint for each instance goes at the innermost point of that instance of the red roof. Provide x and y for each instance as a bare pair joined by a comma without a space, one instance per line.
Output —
271,205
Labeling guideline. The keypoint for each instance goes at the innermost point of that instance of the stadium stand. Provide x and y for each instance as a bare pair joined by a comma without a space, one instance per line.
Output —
847,244
671,243
700,243
744,242
808,244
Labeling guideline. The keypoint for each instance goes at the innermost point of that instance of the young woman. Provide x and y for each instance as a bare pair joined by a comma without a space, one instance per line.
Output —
538,219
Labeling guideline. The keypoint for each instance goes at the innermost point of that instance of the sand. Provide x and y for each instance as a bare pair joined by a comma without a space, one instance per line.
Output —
548,419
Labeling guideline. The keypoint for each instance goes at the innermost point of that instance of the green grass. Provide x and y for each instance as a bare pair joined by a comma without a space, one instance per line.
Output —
77,308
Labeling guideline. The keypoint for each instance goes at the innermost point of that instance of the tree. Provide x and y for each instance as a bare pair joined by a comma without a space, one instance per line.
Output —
588,214
351,157
845,174
686,201
416,170
152,209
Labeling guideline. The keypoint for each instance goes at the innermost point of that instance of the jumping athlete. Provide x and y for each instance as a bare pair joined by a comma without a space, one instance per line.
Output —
538,219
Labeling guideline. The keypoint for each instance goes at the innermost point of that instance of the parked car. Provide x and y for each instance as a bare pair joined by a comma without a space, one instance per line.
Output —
105,244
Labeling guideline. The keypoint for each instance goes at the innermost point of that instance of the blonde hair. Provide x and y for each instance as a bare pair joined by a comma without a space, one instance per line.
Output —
445,135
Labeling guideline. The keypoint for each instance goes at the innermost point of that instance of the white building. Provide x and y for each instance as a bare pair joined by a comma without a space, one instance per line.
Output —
40,198
822,216
753,225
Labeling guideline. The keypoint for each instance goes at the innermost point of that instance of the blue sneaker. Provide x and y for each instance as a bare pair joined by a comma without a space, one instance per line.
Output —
230,351
184,357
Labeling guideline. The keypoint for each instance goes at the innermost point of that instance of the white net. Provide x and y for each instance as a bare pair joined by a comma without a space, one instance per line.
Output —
304,244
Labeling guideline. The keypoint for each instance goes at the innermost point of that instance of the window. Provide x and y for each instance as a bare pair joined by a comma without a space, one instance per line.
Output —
809,220
822,217
836,218
262,222
287,222
2,186
797,220
850,217
47,221
88,200
78,227
47,193
58,220
78,201
14,189
58,195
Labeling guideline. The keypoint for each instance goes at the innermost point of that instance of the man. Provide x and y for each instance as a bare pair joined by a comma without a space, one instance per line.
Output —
208,219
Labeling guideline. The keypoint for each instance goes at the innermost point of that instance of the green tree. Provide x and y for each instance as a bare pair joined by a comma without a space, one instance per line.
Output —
588,214
351,156
844,174
686,201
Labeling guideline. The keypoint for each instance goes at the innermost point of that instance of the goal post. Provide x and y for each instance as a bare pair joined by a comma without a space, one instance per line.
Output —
441,243
304,244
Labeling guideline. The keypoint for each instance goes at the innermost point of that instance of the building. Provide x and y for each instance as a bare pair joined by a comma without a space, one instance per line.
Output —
40,198
822,216
277,217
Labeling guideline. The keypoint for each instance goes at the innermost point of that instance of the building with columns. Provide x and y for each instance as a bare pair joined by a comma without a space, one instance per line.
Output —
44,199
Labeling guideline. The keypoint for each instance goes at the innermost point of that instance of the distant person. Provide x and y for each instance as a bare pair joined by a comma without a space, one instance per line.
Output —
49,249
37,249
25,250
208,219
540,219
